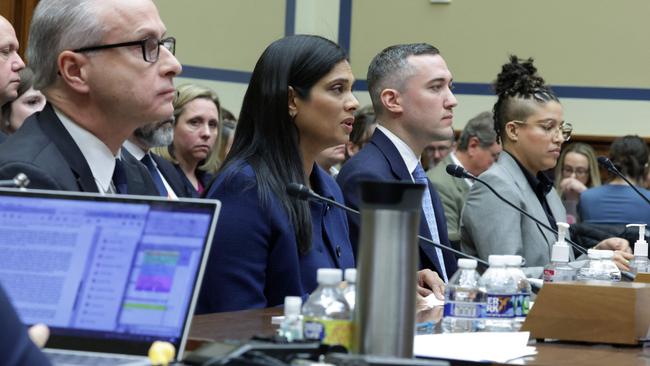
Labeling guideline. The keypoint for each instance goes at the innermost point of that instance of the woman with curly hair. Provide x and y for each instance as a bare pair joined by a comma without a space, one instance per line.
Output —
529,120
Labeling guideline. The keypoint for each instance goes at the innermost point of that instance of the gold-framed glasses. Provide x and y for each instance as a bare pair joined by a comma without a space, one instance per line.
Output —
552,128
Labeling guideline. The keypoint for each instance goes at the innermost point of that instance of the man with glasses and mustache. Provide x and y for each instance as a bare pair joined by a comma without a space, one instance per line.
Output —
106,68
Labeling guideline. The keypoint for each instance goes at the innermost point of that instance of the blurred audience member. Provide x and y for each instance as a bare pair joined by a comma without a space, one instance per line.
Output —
577,170
616,202
435,151
362,130
225,138
331,158
476,151
28,102
197,115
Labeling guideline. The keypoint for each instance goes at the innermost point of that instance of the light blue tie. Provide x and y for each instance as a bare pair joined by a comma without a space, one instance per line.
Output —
427,206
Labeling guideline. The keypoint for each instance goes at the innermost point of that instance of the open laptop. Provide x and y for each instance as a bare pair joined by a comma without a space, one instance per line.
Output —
108,274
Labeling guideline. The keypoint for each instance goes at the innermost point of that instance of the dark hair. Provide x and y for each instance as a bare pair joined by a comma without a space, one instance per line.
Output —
517,81
266,136
390,69
630,155
481,127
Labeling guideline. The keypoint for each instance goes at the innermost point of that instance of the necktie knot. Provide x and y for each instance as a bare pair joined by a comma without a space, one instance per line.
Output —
419,175
155,176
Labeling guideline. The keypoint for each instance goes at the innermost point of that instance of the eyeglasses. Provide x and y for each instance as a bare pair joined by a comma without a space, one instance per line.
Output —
551,129
150,47
579,172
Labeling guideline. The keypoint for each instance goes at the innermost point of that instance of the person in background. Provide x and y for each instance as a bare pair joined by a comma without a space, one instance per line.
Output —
529,121
435,151
197,114
616,202
28,102
269,245
364,126
476,151
225,138
331,159
10,65
576,171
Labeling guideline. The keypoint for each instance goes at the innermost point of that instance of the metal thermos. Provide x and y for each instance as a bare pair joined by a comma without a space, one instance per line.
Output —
384,316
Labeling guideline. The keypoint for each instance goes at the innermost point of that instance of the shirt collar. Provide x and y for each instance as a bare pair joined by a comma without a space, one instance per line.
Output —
407,154
452,156
98,156
540,183
134,149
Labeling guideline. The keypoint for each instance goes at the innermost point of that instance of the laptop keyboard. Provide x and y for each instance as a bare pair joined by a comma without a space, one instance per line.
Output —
64,359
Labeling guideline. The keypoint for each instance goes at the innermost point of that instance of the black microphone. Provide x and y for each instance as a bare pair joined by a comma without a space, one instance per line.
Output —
302,192
460,172
19,181
607,164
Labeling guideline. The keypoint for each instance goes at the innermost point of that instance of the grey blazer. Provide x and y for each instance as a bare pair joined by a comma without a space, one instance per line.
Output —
489,226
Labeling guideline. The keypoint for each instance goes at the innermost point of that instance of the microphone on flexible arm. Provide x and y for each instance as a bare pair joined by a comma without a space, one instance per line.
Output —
460,172
303,192
19,181
607,164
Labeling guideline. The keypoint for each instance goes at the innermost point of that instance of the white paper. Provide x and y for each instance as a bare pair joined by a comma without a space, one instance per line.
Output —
479,347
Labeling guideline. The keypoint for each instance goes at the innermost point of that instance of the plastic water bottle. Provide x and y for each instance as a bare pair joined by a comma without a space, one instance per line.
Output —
291,327
326,314
522,297
464,300
559,269
500,288
600,267
640,262
350,289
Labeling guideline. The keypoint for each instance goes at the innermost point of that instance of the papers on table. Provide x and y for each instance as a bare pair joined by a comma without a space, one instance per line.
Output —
480,346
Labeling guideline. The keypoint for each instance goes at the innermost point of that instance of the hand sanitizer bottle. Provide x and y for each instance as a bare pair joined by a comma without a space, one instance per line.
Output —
640,262
559,269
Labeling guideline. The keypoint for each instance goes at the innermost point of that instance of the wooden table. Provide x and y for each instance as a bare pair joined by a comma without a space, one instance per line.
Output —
242,325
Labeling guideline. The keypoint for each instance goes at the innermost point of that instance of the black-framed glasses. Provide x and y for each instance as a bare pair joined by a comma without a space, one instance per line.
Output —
565,129
150,47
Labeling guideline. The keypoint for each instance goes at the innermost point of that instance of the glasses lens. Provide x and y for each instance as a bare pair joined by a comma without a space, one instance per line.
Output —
169,44
151,50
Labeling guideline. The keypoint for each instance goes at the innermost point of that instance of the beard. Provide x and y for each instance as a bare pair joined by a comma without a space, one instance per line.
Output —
158,134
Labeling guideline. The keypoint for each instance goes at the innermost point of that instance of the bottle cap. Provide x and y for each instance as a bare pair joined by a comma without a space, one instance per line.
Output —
641,245
350,275
466,263
328,276
496,260
292,305
600,254
513,260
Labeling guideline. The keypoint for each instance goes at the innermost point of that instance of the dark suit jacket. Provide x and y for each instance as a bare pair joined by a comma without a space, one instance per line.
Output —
254,260
380,160
172,176
204,177
44,150
16,349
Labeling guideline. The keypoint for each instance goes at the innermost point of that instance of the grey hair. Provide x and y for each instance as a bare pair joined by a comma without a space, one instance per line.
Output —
390,69
481,127
59,25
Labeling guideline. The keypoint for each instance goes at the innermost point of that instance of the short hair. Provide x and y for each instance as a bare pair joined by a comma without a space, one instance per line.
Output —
518,84
185,94
588,152
391,69
26,82
630,156
481,127
364,118
59,25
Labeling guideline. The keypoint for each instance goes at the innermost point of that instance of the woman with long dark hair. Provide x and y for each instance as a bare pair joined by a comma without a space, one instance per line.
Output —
267,244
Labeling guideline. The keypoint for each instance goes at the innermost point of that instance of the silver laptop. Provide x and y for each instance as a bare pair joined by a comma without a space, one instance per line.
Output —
108,274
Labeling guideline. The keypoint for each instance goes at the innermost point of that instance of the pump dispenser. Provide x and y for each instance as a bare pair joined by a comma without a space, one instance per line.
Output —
640,262
558,269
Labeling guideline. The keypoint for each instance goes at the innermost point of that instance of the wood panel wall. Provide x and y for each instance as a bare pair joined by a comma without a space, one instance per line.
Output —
19,13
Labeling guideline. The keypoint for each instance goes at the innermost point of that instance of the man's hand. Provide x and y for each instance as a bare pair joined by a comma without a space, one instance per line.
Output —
429,282
39,333
622,251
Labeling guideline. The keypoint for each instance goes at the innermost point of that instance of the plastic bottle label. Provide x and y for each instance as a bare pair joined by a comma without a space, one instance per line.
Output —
329,331
522,304
500,306
463,310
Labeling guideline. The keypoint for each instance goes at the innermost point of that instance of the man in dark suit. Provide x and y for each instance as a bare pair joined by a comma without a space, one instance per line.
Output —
157,134
9,65
106,69
409,87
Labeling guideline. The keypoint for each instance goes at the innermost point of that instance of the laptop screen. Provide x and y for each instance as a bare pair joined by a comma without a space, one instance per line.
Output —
105,273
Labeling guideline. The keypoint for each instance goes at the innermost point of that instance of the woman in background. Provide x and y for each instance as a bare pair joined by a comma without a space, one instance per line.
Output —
269,244
576,171
616,203
196,127
29,101
364,126
225,139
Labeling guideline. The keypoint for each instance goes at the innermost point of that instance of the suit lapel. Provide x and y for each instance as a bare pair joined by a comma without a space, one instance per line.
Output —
54,129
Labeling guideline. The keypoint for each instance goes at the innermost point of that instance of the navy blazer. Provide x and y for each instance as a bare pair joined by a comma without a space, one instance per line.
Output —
254,260
204,177
380,160
44,150
16,349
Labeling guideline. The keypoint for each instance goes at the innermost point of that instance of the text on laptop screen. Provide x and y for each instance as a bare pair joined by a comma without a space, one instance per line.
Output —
101,269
